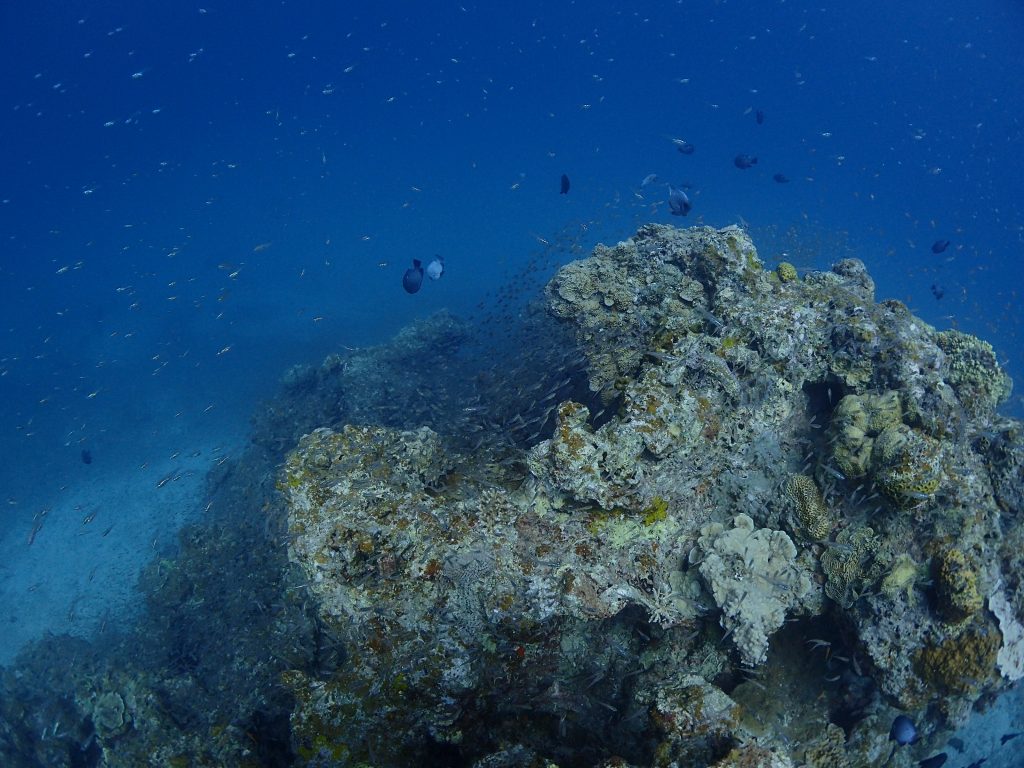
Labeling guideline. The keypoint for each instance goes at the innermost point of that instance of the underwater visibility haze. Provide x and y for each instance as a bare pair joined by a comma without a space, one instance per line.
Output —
540,384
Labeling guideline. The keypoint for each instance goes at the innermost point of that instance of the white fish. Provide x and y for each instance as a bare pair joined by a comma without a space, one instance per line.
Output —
436,268
649,179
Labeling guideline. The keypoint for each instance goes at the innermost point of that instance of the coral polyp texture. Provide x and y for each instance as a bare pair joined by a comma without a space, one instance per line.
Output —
753,516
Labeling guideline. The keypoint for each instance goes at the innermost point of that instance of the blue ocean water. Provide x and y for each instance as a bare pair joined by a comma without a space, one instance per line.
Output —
195,197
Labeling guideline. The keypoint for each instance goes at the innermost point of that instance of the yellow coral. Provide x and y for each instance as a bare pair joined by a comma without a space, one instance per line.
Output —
961,663
656,511
901,578
787,272
957,585
973,371
814,517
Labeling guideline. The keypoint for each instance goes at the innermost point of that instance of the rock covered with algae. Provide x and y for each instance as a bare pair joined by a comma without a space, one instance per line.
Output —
596,591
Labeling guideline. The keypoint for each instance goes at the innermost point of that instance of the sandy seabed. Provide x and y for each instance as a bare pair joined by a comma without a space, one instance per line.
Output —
81,568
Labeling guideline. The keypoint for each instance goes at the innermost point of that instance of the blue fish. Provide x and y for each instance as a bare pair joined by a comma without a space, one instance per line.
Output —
413,277
903,731
743,161
935,761
564,189
678,203
939,246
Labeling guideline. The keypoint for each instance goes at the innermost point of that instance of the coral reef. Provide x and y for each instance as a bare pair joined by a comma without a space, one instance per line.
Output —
973,371
810,515
1010,658
690,524
755,579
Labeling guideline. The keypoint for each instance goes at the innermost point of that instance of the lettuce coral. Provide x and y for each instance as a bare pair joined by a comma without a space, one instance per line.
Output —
755,579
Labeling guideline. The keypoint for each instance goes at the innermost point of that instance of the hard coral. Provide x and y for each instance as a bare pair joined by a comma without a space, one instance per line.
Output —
956,582
812,517
961,663
755,579
1011,655
905,464
787,272
973,372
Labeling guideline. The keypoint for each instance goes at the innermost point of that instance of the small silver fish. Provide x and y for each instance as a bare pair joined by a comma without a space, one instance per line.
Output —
649,179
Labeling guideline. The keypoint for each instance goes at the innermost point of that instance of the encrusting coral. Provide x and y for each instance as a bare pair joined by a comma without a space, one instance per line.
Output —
956,583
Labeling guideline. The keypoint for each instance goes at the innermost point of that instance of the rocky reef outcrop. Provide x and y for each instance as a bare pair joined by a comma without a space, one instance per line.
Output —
726,515
774,477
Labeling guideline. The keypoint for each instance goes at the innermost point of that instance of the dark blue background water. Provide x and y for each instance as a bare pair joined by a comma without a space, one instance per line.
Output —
149,150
